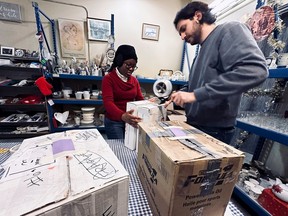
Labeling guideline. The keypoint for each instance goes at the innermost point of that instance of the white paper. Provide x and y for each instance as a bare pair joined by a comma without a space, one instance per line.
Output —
97,165
36,189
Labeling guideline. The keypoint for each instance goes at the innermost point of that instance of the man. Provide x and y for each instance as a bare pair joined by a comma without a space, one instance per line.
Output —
228,64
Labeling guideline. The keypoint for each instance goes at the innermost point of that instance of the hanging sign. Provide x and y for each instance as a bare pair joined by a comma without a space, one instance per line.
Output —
10,12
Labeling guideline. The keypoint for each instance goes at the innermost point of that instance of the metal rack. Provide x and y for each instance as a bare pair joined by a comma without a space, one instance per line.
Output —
265,134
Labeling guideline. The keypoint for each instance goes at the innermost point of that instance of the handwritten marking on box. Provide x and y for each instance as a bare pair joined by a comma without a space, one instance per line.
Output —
62,146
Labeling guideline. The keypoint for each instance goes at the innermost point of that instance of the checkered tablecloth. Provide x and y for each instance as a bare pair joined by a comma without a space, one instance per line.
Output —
5,146
138,204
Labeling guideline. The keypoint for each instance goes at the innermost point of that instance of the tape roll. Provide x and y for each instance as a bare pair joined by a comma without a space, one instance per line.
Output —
162,88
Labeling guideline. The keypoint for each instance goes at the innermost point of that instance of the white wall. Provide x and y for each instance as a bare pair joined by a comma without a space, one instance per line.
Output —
129,16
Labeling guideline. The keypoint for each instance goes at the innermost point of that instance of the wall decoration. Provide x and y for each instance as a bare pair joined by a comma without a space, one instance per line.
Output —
10,12
7,51
262,22
150,32
98,29
72,38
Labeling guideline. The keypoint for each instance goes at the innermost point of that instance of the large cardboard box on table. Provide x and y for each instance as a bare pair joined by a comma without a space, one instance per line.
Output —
70,173
184,171
149,112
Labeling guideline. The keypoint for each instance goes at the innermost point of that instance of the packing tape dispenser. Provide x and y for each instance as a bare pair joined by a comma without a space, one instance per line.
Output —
162,88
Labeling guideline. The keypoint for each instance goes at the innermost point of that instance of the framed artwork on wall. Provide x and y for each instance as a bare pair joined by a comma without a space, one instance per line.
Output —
72,38
98,29
7,51
150,32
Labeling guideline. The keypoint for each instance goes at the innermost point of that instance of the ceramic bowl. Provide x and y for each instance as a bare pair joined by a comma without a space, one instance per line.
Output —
255,182
88,109
255,192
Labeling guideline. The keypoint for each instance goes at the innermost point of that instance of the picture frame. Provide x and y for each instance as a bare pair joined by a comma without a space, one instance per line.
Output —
98,29
150,31
72,38
7,51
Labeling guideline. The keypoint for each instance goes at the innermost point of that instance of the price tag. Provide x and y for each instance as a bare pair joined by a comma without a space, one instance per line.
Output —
50,102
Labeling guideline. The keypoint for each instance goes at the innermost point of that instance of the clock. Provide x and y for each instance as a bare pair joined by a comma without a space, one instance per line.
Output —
19,52
110,54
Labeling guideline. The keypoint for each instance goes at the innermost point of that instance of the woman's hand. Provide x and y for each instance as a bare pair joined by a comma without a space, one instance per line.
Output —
180,98
131,119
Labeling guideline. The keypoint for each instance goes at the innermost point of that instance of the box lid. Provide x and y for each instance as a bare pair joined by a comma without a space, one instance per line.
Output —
183,143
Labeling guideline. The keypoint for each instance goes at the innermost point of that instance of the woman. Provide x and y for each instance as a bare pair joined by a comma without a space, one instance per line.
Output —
118,88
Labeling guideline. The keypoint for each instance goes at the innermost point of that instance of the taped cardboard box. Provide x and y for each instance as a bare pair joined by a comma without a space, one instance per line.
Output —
146,110
70,173
194,175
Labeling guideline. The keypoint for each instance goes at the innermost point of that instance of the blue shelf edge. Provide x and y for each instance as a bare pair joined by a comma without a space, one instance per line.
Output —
269,134
86,77
238,192
273,73
80,102
74,76
278,73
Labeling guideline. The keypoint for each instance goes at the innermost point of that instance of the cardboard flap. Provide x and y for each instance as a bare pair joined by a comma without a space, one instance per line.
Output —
183,142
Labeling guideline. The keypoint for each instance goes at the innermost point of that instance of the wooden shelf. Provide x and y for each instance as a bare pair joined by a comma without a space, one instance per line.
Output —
23,107
20,59
13,91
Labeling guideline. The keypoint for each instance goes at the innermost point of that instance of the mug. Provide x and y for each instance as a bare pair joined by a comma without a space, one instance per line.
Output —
78,95
86,95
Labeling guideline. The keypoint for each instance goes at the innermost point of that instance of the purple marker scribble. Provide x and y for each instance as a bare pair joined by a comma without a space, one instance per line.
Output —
178,132
62,145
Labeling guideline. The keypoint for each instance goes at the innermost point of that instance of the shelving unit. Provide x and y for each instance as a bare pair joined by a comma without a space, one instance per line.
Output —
16,96
84,81
266,133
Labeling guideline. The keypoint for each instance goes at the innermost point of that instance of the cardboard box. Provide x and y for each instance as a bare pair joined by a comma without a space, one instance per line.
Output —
177,115
182,180
69,173
146,110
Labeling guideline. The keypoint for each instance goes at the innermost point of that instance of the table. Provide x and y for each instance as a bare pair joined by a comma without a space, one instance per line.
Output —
137,203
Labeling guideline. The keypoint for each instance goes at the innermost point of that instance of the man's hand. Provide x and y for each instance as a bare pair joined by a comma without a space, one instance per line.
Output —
180,98
131,119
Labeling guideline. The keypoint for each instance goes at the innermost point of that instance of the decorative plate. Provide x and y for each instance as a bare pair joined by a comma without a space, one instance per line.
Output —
262,22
